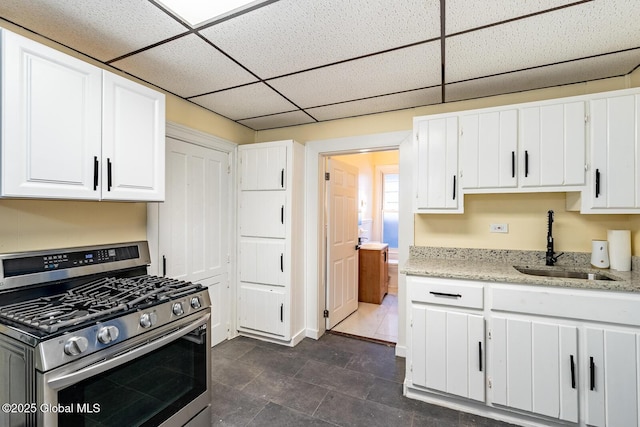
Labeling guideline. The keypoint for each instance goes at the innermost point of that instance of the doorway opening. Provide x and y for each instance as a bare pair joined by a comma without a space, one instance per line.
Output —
377,205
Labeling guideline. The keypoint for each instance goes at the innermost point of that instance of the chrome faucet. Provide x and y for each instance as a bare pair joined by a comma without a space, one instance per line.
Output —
550,257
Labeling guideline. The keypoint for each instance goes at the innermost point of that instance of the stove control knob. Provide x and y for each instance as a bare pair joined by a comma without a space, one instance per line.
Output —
108,334
148,319
177,309
76,345
195,303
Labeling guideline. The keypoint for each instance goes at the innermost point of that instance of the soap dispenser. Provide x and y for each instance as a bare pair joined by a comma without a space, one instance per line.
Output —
600,253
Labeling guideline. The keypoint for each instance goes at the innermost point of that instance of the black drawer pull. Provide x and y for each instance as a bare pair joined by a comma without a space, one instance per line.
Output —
526,163
281,312
282,263
597,182
513,164
96,171
454,187
282,214
282,178
444,294
109,174
592,374
480,355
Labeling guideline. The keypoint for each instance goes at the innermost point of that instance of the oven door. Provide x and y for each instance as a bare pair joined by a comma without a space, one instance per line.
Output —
158,379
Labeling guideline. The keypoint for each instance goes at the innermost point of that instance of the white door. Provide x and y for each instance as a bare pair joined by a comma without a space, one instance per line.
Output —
342,239
195,224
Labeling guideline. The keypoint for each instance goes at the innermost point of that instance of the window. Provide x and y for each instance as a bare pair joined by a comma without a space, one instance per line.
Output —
390,204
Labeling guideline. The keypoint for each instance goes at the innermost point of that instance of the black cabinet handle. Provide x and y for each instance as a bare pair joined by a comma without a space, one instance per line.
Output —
480,355
109,174
526,163
592,374
96,170
282,312
573,371
282,178
282,263
282,214
454,187
513,164
597,182
444,294
164,265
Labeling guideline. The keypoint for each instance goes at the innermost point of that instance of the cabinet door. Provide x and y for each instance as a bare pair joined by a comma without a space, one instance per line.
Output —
263,214
437,153
50,122
262,308
612,363
488,149
552,141
263,261
612,174
534,367
447,351
263,168
133,141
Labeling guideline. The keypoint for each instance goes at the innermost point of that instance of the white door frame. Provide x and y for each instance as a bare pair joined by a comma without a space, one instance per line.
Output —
192,136
314,176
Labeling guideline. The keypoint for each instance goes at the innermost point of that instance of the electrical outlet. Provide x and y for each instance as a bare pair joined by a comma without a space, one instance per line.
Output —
499,228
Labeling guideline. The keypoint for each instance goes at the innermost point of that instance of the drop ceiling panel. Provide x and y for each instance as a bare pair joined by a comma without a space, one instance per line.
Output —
186,66
463,15
245,102
398,101
101,29
406,69
292,118
293,35
553,75
569,33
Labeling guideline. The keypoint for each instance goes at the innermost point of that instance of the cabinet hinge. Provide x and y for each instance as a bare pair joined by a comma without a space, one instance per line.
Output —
586,118
489,383
325,314
327,176
489,334
411,368
228,259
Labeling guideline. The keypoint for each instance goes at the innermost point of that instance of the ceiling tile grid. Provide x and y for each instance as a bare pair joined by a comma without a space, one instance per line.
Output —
290,62
101,29
186,66
405,69
295,35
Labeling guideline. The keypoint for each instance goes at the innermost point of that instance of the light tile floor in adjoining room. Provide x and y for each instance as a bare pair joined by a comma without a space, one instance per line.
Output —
377,321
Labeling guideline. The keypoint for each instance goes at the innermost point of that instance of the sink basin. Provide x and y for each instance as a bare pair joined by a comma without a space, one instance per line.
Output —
566,274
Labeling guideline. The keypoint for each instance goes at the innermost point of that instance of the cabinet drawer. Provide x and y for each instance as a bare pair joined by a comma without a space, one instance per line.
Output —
445,292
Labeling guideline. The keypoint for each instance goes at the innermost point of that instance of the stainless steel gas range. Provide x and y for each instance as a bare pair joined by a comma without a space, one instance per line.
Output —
87,338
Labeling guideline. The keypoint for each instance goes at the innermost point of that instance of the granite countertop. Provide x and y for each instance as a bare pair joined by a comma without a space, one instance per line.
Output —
498,266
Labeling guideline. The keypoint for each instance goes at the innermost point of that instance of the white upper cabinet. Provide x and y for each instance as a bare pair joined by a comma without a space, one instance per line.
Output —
552,145
436,151
264,168
488,149
51,124
614,172
133,129
69,129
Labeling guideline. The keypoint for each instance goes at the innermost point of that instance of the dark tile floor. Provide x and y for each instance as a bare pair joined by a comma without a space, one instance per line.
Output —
334,381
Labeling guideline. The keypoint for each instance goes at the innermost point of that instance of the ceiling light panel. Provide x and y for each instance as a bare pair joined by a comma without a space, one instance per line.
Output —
398,101
187,66
463,15
197,12
406,69
292,118
293,35
102,29
580,31
245,102
554,75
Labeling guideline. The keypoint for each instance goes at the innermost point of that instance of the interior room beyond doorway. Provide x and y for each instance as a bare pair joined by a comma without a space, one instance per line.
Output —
378,187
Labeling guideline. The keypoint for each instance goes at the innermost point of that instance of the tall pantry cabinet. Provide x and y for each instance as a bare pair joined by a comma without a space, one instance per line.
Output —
271,241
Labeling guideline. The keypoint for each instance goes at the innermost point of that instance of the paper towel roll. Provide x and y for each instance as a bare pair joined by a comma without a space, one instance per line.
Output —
619,249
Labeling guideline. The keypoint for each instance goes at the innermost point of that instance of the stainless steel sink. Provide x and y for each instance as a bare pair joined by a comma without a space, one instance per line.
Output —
566,274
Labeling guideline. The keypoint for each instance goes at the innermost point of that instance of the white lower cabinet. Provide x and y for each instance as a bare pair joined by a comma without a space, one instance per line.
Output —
611,381
534,367
529,355
449,351
263,309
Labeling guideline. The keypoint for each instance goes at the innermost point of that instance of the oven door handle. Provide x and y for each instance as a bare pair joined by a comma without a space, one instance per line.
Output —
97,368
